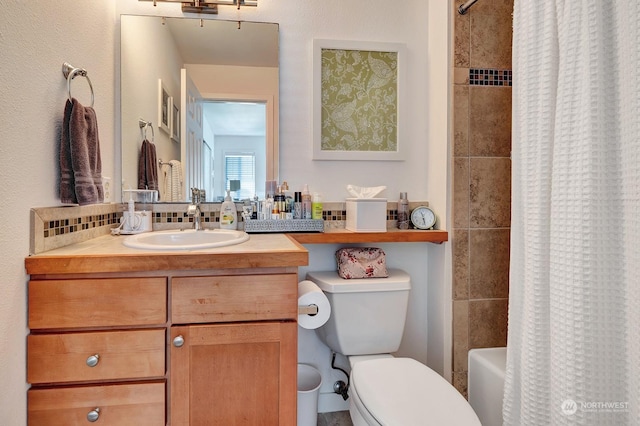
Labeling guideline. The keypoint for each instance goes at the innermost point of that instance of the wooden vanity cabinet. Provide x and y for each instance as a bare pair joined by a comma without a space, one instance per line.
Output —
215,349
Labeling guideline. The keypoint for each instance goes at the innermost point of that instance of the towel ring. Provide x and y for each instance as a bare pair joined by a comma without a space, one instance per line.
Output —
70,72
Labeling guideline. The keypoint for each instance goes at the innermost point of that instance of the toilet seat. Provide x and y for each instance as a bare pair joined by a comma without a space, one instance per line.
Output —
402,391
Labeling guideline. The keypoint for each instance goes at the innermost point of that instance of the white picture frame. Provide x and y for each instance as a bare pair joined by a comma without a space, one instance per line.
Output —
175,122
358,115
164,108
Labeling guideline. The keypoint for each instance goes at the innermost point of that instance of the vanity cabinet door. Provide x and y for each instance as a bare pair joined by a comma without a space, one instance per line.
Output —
234,374
113,405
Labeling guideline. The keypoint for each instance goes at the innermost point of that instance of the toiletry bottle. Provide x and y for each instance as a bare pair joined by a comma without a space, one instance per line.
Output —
403,211
306,203
288,207
297,205
228,213
268,206
278,201
316,206
255,206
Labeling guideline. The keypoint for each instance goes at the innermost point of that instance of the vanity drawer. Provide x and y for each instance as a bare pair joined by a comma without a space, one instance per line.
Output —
234,298
58,304
115,405
77,357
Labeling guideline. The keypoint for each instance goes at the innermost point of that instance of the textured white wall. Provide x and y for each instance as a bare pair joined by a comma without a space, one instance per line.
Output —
35,39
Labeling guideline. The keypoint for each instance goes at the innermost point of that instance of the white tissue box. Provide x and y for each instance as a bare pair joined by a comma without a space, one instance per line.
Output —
366,214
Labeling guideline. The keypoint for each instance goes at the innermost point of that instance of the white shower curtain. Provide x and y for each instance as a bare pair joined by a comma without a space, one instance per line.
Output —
574,311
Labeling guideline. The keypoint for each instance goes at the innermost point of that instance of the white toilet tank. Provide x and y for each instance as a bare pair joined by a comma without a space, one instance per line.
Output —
367,314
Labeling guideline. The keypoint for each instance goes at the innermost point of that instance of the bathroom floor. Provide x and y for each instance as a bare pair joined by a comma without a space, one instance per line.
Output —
339,418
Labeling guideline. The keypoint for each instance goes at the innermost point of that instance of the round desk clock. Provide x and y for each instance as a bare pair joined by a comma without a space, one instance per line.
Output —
422,217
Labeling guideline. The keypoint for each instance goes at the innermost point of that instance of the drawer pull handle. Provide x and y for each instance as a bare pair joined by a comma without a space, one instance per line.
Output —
93,415
178,341
92,361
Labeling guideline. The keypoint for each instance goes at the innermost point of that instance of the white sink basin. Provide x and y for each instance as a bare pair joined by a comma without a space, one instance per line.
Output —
188,239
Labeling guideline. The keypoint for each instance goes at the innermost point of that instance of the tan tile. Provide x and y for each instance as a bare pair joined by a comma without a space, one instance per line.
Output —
490,34
489,121
489,263
460,192
461,42
460,381
460,248
460,76
461,121
460,334
489,193
487,323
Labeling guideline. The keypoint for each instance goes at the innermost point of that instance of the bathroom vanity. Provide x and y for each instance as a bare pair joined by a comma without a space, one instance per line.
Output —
126,336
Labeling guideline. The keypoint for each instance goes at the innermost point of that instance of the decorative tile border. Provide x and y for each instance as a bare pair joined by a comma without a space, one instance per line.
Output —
489,77
54,227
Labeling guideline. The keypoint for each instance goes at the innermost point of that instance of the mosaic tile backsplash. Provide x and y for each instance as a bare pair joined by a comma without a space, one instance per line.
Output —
57,227
489,77
54,227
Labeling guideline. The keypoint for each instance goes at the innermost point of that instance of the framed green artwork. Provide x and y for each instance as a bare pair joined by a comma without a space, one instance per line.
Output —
358,100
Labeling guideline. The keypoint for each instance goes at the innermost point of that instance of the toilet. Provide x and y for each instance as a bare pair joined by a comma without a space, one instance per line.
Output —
366,325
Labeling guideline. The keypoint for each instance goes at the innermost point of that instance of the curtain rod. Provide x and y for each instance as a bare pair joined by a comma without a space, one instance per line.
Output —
464,7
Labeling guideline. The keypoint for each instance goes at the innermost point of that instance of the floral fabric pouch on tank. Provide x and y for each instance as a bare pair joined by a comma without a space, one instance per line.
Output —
361,262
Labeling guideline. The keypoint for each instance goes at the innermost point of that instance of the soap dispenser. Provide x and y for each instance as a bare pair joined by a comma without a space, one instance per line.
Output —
228,213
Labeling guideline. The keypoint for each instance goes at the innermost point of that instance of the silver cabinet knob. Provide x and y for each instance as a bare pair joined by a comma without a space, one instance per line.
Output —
93,415
178,341
92,361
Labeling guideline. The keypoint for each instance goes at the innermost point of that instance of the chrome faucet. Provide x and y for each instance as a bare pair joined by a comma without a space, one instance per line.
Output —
194,208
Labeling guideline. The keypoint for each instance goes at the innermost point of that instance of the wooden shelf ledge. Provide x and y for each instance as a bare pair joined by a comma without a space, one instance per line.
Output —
343,236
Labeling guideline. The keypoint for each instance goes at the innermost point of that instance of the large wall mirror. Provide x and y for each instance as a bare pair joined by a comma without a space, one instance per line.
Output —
209,88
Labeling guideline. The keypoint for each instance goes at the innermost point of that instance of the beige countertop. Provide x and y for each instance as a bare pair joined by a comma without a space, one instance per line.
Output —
107,254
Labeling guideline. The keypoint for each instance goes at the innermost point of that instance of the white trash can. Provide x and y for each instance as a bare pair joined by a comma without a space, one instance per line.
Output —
309,381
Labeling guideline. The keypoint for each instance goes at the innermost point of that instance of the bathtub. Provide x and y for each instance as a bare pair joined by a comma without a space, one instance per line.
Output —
486,383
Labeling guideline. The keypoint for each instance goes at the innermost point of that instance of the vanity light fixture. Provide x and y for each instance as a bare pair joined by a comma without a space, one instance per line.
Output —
208,6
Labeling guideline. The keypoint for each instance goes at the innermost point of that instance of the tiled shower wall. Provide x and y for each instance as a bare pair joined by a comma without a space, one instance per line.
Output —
482,179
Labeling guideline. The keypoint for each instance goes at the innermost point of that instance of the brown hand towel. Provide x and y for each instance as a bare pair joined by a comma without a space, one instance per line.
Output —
148,167
80,162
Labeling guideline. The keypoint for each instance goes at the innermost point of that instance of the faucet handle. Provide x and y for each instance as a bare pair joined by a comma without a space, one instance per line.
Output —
195,195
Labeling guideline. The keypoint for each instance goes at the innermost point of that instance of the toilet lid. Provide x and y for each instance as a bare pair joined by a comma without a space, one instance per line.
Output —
402,391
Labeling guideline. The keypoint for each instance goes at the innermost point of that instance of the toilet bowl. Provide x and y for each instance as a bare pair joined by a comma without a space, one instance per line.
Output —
402,391
366,325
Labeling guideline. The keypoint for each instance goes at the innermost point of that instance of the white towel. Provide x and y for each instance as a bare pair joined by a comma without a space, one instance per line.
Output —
173,182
